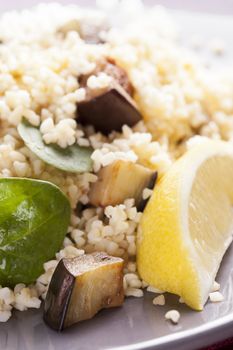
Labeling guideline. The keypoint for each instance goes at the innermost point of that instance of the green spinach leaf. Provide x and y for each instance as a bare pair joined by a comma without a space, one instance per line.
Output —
72,159
34,218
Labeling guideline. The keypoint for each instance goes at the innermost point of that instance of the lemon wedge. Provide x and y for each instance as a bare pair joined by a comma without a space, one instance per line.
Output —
188,223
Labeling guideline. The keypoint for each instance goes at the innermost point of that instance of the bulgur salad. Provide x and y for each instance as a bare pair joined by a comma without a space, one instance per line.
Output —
116,159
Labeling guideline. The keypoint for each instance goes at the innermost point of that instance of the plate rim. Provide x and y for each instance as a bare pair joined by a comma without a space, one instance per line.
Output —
181,336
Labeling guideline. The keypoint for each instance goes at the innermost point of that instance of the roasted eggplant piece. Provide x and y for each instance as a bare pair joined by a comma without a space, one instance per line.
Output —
110,108
82,286
119,75
119,181
109,111
109,67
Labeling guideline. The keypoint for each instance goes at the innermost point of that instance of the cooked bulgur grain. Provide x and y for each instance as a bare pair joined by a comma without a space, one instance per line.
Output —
216,297
173,315
216,287
39,69
159,300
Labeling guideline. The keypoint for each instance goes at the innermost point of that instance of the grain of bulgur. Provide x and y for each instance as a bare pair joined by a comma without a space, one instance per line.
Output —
216,297
159,300
173,315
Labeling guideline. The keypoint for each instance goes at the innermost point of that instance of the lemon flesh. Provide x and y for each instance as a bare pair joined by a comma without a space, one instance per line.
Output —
188,223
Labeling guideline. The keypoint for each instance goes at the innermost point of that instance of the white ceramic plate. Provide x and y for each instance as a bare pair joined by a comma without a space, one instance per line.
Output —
139,325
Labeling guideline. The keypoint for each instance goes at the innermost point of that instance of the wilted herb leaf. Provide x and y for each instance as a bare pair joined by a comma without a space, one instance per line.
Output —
72,159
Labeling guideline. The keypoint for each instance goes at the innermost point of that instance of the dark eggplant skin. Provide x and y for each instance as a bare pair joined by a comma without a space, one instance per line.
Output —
109,111
119,75
143,202
109,67
69,300
58,297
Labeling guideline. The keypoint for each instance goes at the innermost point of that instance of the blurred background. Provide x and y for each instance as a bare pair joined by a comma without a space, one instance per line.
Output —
211,6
